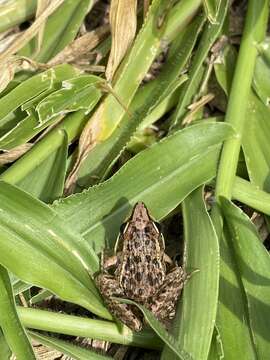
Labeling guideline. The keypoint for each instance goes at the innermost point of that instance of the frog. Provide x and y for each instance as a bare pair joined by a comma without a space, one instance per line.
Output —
141,271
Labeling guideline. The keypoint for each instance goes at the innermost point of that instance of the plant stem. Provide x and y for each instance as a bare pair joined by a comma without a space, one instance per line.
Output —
254,32
78,326
251,195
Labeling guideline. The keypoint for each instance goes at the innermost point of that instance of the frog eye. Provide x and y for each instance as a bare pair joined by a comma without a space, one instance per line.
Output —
123,227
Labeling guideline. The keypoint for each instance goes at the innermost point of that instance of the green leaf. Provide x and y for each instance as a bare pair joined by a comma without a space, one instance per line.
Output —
195,319
248,193
87,327
14,12
72,125
76,94
232,320
144,104
255,143
46,181
73,351
161,331
190,89
12,328
212,8
5,350
253,265
34,87
261,82
54,257
60,29
163,174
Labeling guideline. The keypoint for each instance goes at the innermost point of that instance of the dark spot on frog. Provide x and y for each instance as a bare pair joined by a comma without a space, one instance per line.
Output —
137,259
138,277
136,244
140,292
150,280
147,242
148,258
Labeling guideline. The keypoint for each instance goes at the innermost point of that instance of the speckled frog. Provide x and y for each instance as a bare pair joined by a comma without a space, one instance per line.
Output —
138,272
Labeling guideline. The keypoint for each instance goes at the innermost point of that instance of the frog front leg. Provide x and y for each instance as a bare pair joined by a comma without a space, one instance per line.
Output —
128,314
163,303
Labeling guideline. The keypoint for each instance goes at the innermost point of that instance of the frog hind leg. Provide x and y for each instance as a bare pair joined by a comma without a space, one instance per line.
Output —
163,303
128,314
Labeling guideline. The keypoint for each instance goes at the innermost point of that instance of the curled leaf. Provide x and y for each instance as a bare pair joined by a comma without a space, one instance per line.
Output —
123,20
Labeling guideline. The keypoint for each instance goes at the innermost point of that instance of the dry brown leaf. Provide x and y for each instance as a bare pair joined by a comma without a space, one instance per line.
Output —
196,106
14,154
16,63
86,143
123,21
81,46
28,34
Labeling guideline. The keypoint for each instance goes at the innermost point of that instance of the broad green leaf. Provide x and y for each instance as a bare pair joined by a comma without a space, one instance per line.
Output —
261,82
73,351
46,181
54,257
60,29
34,86
12,328
190,89
161,331
253,265
161,176
145,103
87,327
75,94
255,143
195,318
5,350
232,321
212,8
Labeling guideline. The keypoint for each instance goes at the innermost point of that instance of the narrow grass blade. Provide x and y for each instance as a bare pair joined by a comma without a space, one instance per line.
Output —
161,176
253,264
249,194
195,318
34,87
54,257
145,102
73,351
12,328
82,326
211,8
46,181
15,12
72,125
61,28
80,93
210,34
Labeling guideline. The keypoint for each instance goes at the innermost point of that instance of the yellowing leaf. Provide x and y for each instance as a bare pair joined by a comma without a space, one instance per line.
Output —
123,20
